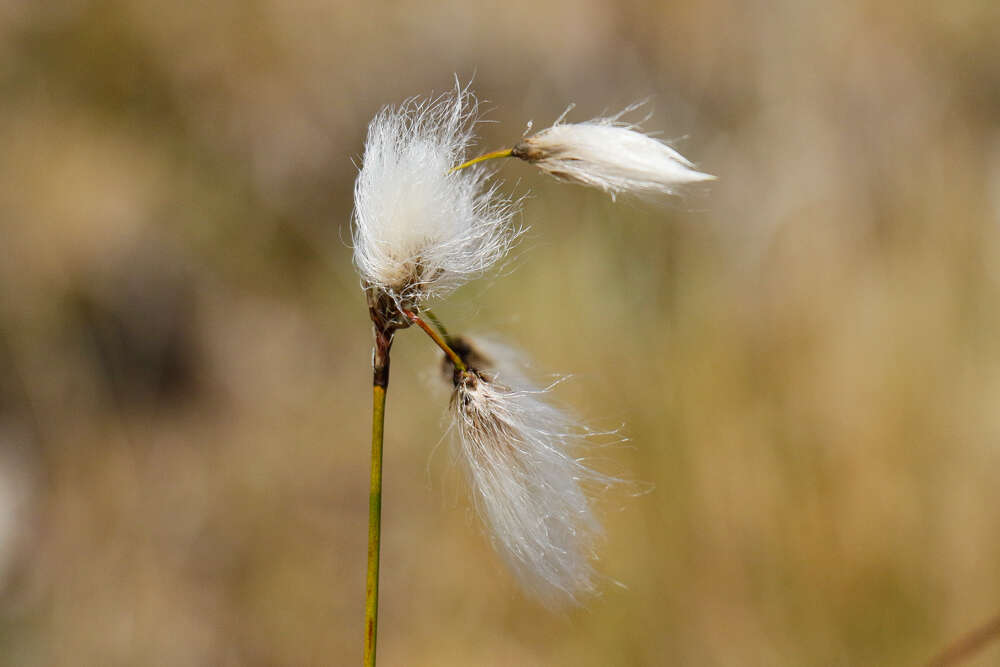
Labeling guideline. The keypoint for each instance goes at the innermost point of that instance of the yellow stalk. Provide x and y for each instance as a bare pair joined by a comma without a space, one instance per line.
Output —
503,152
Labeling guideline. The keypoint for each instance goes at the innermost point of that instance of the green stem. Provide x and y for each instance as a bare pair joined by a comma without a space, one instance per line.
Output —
503,152
380,383
436,337
439,326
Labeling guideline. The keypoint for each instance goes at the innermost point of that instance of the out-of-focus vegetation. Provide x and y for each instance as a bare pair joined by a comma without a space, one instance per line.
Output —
806,355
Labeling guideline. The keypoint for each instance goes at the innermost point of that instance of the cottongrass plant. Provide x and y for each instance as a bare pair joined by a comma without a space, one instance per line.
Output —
606,153
425,222
420,230
609,154
527,484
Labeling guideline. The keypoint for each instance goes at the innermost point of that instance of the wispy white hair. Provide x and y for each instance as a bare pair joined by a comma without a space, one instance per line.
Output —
609,154
420,231
527,485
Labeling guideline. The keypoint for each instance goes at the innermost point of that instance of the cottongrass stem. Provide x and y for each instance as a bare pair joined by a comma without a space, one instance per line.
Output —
385,322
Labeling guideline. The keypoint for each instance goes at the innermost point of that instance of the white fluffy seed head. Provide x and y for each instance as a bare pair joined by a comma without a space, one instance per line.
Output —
527,485
609,154
420,231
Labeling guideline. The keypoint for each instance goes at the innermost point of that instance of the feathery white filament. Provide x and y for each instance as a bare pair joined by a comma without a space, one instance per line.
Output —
611,155
420,231
527,486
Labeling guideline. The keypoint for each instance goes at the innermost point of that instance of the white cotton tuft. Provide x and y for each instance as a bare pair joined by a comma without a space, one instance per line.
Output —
528,487
611,155
420,231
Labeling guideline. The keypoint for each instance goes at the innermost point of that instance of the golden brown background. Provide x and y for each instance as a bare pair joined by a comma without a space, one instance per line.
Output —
806,356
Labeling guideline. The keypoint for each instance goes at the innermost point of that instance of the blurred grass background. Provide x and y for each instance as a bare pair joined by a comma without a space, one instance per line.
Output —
806,355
